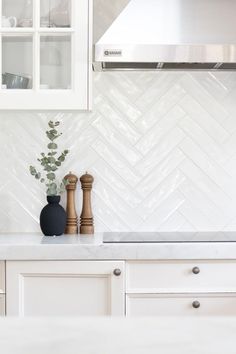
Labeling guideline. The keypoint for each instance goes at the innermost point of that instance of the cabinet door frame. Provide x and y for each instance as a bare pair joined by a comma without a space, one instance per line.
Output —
16,271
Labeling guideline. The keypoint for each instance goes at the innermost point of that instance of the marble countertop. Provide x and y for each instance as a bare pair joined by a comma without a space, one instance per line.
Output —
165,335
91,247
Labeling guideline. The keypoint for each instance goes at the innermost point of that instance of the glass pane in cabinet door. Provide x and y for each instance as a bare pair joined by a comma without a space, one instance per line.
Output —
55,62
17,66
55,13
17,13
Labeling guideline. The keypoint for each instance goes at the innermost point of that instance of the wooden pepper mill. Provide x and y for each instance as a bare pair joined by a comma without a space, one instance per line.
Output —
72,218
86,217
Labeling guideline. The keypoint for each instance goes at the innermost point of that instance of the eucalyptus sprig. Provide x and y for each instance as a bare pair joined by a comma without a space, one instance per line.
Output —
50,162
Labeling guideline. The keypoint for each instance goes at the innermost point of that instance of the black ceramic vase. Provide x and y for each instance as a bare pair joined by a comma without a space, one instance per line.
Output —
53,217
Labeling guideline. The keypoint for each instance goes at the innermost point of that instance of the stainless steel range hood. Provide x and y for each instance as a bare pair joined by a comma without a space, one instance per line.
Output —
170,34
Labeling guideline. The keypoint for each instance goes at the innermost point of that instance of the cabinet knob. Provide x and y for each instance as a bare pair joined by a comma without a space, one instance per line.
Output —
195,270
196,304
117,272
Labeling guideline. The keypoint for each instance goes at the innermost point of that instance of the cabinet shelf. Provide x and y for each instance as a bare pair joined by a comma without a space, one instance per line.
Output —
18,30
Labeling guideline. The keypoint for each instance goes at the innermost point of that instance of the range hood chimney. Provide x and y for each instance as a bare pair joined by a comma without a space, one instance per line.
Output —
170,35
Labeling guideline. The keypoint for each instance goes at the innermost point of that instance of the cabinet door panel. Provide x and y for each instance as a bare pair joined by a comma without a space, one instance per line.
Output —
55,13
2,305
2,277
17,74
180,305
17,13
68,288
55,62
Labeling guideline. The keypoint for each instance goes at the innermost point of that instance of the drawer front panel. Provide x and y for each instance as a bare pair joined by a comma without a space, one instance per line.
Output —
2,277
181,305
179,276
2,305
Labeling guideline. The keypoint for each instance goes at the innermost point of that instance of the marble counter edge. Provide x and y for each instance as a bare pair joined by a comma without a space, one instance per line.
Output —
87,247
119,252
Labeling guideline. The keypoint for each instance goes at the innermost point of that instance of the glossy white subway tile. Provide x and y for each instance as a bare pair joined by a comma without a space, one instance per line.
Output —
161,147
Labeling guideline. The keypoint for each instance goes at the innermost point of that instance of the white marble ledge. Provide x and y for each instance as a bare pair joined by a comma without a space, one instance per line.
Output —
165,335
91,247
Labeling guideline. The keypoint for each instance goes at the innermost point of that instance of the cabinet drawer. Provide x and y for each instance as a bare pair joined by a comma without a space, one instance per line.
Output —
2,277
180,305
2,305
179,276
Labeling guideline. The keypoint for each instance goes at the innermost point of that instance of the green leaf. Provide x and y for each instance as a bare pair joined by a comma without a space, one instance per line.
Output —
63,185
51,176
50,136
47,168
52,153
42,180
51,124
51,160
66,152
38,175
44,160
61,158
65,181
52,185
58,163
54,168
52,146
33,170
52,189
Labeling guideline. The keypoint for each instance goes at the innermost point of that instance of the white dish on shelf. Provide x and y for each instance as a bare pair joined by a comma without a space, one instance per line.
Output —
9,21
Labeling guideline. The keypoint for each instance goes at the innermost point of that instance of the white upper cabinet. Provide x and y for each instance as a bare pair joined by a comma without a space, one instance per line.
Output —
45,59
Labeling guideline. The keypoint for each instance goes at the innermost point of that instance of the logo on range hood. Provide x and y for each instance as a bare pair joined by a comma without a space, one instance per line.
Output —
113,53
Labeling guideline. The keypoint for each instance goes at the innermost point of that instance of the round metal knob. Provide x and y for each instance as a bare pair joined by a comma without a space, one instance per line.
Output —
195,270
196,304
117,272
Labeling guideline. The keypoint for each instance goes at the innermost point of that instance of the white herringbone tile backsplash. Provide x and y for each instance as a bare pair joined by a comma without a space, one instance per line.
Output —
161,146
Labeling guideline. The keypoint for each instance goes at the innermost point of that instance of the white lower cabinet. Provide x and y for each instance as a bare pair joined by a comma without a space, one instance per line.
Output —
102,288
181,305
65,288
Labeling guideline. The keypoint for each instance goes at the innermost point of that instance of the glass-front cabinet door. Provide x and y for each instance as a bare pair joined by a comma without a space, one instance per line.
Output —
45,54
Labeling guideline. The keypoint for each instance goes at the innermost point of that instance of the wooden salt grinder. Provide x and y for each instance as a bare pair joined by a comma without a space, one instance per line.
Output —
86,217
72,219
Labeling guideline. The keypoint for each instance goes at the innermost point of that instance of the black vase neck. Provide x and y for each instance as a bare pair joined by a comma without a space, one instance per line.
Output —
53,199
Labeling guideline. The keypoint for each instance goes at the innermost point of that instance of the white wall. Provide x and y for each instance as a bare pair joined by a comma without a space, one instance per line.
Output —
161,146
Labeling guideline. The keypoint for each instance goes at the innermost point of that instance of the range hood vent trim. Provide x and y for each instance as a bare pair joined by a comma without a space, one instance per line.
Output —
129,66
